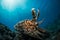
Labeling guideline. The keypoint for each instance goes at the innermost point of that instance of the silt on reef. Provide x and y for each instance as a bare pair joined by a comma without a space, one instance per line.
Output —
30,27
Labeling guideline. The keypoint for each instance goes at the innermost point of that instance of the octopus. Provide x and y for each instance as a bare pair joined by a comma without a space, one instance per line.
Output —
30,27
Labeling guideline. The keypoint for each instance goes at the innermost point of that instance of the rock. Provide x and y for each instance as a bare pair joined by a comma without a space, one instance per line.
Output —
6,33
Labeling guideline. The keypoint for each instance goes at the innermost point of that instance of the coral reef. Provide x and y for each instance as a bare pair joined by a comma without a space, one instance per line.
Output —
7,34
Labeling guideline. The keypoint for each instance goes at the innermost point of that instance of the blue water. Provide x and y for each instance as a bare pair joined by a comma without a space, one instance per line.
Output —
49,10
